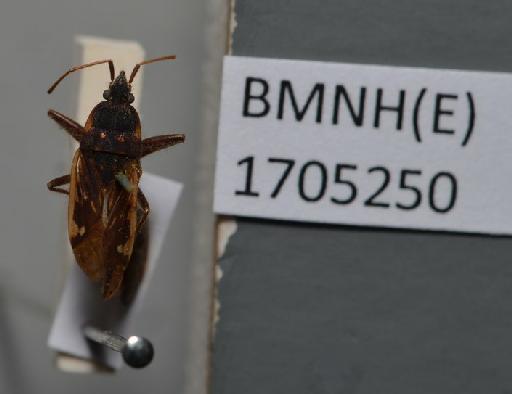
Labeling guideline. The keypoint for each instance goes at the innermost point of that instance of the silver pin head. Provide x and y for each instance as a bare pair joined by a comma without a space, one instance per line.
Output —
137,352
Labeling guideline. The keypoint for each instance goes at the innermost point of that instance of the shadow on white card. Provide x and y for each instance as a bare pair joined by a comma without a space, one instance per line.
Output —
81,302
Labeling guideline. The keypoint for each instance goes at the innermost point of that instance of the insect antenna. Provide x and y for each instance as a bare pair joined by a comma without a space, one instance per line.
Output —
158,59
71,70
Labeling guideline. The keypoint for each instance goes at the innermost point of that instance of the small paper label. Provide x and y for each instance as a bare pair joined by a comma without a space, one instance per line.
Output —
365,145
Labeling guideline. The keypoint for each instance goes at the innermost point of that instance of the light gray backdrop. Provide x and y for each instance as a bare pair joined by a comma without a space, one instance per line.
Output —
36,45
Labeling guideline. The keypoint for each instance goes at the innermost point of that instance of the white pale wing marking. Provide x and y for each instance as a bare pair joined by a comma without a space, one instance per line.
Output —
104,212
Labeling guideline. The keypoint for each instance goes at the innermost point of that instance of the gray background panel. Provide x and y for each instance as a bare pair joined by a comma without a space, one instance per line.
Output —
467,34
336,309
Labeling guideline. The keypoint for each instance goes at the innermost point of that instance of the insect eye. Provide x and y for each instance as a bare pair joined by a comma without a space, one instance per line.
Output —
131,99
106,94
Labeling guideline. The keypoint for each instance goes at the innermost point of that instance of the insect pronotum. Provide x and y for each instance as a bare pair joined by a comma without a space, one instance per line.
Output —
107,210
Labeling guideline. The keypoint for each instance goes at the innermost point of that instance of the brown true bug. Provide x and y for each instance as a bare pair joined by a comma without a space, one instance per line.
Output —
106,208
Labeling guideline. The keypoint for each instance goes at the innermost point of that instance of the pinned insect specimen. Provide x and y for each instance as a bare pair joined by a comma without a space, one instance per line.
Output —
106,209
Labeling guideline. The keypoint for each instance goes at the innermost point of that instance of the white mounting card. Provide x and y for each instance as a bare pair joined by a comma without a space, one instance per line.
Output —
81,302
365,145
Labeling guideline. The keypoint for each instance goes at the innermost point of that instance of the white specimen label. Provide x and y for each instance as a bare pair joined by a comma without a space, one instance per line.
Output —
365,145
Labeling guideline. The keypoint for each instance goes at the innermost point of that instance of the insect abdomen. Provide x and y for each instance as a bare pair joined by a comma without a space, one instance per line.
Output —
102,217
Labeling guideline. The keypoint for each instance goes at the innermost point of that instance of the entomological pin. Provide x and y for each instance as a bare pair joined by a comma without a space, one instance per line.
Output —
106,208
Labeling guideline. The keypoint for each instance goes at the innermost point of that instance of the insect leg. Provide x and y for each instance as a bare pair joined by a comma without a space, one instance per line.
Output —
152,144
142,210
54,184
68,124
